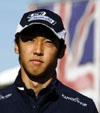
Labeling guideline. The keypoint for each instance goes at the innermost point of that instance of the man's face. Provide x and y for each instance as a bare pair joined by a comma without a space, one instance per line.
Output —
38,54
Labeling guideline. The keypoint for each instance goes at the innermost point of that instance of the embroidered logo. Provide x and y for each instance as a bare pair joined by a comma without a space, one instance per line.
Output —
41,16
76,100
2,97
21,88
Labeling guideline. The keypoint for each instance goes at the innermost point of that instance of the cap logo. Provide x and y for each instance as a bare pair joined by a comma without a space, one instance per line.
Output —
41,16
42,13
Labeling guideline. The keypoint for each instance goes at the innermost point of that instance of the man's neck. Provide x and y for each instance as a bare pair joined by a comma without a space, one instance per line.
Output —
36,86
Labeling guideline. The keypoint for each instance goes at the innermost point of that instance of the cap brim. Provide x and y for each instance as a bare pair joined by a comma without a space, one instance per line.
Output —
20,29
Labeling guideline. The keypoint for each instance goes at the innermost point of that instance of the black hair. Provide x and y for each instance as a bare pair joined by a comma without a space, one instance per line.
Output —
17,36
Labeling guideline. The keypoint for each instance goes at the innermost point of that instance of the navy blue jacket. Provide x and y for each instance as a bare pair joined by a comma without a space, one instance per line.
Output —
56,98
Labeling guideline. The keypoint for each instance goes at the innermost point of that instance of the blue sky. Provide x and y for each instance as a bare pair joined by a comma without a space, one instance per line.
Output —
10,14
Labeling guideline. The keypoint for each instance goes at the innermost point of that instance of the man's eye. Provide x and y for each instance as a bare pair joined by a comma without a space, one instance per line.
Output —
49,42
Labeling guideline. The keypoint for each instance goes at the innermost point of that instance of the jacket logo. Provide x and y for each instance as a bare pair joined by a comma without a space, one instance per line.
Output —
2,97
76,100
21,88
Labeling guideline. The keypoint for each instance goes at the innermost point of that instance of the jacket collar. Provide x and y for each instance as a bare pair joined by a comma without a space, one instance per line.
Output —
21,86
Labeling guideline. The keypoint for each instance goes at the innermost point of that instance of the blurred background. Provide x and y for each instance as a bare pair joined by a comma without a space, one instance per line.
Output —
80,67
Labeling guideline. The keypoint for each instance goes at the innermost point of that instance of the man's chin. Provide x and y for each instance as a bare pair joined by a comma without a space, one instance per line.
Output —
41,78
37,77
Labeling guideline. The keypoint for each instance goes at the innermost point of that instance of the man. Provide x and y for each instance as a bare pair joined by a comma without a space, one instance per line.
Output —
40,42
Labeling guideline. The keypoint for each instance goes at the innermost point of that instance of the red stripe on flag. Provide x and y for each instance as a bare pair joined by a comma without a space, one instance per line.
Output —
62,62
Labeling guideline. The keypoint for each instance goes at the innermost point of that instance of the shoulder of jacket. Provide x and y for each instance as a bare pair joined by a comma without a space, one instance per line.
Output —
71,94
7,89
75,98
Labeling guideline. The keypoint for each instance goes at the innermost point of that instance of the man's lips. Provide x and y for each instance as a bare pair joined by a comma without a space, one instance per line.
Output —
36,61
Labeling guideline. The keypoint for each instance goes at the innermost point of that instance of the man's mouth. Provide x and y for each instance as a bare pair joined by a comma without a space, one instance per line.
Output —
37,61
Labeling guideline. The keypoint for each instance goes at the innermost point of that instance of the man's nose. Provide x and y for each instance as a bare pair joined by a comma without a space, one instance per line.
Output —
38,49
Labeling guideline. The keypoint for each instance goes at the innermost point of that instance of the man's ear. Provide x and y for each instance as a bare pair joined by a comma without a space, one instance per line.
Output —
16,48
62,52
